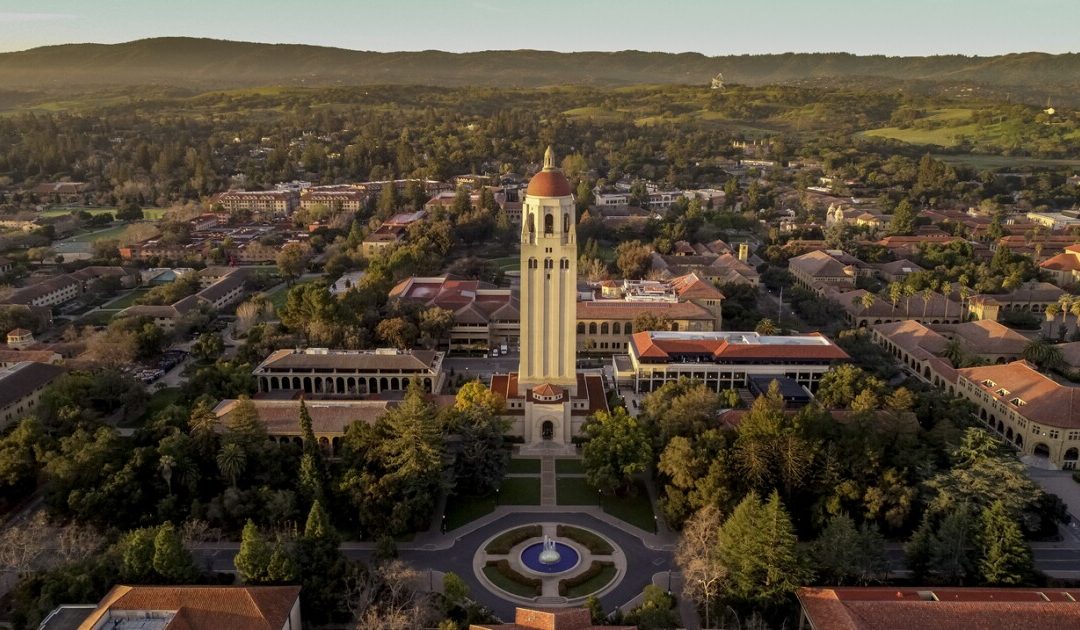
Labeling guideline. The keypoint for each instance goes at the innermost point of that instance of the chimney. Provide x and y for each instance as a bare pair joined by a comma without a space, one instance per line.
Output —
744,251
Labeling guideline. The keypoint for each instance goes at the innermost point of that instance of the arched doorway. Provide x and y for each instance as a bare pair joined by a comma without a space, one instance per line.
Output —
1041,450
547,430
1071,455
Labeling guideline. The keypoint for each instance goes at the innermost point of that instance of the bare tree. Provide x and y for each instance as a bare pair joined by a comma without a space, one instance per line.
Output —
22,544
698,555
389,597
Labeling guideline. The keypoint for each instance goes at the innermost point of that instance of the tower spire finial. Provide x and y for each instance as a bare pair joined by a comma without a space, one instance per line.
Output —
549,159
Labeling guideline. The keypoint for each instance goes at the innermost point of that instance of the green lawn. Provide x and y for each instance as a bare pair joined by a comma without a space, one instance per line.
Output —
523,467
574,491
154,214
593,584
100,235
127,300
633,508
461,510
506,263
520,491
63,212
158,401
569,467
97,318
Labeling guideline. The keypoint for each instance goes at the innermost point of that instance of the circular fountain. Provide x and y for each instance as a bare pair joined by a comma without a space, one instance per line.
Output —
549,557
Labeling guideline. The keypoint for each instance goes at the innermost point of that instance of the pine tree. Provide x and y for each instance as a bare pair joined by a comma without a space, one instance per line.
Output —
137,559
244,426
171,561
759,548
253,560
1006,557
951,553
311,478
281,568
318,525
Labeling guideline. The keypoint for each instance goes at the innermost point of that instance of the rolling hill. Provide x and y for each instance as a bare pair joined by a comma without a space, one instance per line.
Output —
215,64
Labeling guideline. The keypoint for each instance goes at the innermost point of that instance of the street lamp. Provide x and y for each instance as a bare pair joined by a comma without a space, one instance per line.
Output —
656,524
444,523
496,496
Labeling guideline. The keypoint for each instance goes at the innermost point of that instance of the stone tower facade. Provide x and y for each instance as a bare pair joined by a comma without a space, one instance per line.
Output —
548,282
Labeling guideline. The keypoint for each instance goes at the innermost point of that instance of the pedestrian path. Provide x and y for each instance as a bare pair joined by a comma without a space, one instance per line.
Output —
547,481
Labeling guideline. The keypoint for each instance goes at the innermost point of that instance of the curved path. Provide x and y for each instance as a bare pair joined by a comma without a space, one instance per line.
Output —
641,561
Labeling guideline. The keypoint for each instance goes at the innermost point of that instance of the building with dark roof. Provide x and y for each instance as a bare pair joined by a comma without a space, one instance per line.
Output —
724,360
20,389
937,608
349,373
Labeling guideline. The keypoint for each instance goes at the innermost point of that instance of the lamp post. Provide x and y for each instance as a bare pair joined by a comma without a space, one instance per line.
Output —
655,524
444,523
497,496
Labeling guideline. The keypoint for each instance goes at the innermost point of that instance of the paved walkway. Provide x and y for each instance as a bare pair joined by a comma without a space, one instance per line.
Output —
547,481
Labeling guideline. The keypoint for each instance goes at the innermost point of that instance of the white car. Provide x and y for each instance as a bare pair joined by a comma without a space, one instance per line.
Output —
494,352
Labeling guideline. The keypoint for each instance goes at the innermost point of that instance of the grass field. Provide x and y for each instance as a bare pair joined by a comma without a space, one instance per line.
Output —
63,212
989,162
523,466
159,400
100,235
520,491
97,318
461,510
569,467
125,301
506,263
574,491
634,509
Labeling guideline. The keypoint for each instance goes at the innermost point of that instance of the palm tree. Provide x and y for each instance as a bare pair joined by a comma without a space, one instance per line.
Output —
954,352
909,291
1043,354
896,291
1065,303
231,461
965,295
946,290
927,293
1051,313
1074,310
165,464
867,300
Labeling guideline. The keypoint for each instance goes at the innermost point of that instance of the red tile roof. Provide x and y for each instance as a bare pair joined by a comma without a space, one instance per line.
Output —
618,309
891,608
549,184
233,607
1046,401
729,346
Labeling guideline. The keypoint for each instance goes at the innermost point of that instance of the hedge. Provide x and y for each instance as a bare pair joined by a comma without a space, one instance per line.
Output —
502,543
596,568
595,544
505,570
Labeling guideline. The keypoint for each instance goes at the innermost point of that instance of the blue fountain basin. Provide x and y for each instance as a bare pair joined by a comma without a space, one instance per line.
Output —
568,558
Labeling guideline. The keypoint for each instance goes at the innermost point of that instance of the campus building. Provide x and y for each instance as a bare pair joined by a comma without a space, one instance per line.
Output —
1036,414
349,373
937,608
724,360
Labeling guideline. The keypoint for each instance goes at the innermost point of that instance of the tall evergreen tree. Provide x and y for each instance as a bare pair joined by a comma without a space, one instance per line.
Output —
171,560
1006,557
759,548
253,559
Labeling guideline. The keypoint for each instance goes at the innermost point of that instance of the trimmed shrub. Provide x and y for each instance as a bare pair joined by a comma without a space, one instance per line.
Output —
596,568
595,544
505,570
505,541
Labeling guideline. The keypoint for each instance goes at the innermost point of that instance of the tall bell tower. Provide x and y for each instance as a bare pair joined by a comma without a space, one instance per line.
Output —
548,282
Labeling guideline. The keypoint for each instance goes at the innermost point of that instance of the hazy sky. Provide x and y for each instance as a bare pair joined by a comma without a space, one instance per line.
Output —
713,27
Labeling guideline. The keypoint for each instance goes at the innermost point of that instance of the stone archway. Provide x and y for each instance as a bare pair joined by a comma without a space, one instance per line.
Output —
547,430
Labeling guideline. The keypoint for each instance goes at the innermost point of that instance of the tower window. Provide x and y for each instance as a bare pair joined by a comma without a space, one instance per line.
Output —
532,223
566,223
564,264
549,223
532,263
549,264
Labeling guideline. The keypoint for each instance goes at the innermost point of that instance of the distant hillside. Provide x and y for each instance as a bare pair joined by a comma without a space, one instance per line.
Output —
213,64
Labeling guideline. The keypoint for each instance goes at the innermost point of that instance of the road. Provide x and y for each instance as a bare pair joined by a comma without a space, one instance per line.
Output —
642,562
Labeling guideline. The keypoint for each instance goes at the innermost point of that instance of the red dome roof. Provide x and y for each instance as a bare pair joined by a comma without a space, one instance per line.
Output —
549,184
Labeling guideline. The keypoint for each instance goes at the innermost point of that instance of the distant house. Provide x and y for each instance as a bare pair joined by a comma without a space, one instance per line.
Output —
21,385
